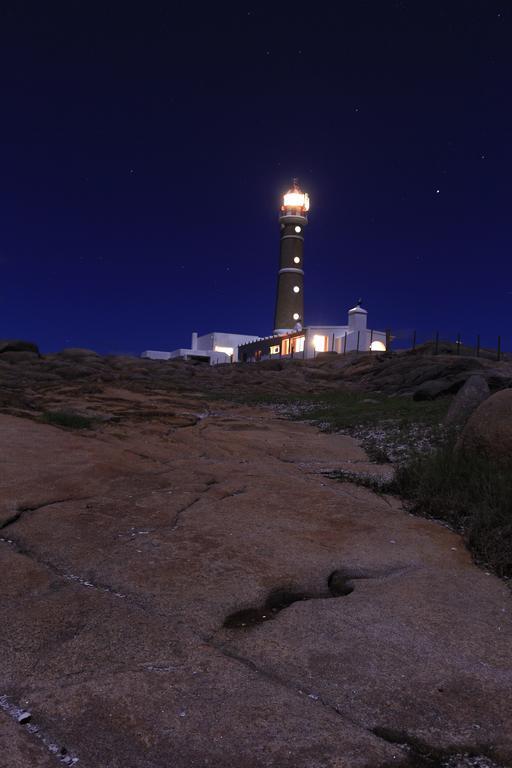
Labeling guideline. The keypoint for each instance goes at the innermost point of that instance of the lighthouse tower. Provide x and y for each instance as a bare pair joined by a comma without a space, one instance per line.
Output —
289,314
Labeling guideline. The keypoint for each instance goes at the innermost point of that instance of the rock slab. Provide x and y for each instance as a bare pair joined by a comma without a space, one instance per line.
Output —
467,399
489,430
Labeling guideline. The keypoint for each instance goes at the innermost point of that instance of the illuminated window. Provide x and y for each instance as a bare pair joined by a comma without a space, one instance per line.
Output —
227,350
296,289
299,344
298,229
320,343
274,350
378,346
296,316
285,346
296,259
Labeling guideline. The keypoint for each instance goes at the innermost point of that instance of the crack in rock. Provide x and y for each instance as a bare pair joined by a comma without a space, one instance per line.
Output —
416,753
305,693
20,550
21,510
180,512
423,755
24,719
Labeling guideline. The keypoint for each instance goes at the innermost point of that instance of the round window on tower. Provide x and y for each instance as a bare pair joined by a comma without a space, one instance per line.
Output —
296,316
298,229
296,259
296,289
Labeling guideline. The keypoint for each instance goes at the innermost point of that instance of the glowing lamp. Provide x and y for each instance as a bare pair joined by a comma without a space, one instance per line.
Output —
296,200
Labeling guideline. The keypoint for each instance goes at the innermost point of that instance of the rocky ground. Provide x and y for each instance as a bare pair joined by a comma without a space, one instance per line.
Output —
184,586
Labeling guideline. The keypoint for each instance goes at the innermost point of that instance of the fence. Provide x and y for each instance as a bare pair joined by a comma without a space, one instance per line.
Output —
410,340
438,343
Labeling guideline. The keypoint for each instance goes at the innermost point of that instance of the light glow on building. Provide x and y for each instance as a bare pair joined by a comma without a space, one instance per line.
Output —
320,343
299,343
227,350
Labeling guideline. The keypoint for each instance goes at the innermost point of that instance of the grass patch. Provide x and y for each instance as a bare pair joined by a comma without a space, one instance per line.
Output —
67,419
345,410
470,492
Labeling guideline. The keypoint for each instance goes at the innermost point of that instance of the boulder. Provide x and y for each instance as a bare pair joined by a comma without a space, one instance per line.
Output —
489,429
77,353
18,357
15,345
467,399
437,387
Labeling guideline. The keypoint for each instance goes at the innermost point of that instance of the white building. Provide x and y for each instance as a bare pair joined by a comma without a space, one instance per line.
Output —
309,341
215,348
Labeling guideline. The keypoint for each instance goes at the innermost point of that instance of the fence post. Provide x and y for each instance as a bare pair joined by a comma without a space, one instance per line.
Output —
357,349
478,345
414,340
499,348
388,339
371,339
332,343
458,343
436,348
345,344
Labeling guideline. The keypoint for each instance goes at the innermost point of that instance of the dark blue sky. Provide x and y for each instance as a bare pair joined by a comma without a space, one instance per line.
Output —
144,148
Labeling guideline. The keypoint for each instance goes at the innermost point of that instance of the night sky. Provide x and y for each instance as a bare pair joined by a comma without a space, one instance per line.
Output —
145,146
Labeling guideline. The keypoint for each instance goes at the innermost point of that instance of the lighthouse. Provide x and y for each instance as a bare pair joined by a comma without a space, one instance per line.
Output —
289,314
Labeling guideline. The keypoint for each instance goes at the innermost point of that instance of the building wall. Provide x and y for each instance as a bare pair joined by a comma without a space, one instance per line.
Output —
154,354
224,341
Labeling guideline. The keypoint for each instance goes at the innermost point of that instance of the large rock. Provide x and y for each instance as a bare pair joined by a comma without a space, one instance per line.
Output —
430,390
15,345
489,429
127,549
18,357
77,353
474,392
